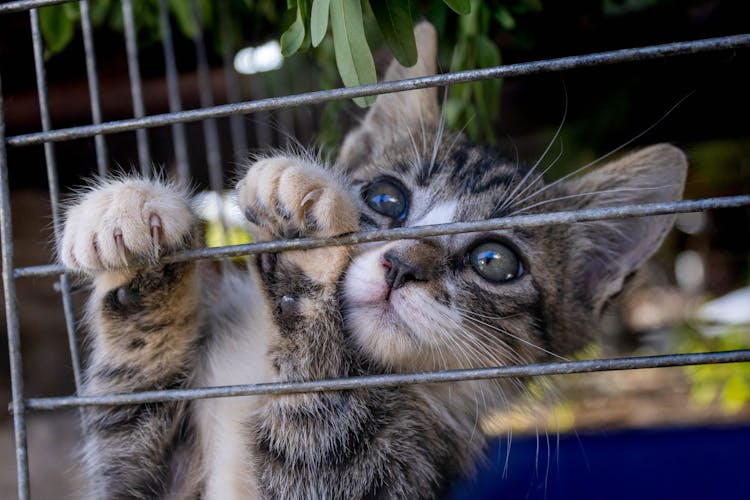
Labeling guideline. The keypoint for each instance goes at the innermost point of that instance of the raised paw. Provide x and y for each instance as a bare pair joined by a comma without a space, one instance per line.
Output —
287,197
124,222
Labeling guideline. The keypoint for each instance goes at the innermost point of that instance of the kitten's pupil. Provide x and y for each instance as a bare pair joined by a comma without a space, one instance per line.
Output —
387,197
495,262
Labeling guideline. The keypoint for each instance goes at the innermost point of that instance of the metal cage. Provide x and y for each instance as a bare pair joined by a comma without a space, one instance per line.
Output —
207,114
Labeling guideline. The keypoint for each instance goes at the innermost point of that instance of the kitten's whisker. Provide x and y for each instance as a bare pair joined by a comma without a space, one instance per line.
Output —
495,342
578,195
466,350
488,316
544,153
516,356
618,148
474,346
439,133
415,148
513,201
522,340
456,137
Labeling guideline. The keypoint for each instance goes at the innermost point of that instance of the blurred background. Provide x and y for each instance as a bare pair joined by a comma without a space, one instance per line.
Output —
694,296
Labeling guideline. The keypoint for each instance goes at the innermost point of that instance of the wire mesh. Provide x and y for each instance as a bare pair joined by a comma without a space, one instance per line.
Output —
93,81
309,98
208,112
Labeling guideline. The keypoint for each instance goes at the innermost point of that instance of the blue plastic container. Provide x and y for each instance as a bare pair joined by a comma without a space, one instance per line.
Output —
687,463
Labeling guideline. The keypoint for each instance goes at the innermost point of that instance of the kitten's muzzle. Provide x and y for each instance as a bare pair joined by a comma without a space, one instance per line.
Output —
418,261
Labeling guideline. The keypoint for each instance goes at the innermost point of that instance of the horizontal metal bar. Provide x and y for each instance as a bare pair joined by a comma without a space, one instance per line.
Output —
21,5
399,233
521,69
340,384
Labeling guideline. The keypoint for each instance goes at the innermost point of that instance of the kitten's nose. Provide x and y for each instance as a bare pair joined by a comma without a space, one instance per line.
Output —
413,262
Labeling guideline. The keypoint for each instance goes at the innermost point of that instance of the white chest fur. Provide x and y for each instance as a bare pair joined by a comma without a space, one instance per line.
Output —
237,356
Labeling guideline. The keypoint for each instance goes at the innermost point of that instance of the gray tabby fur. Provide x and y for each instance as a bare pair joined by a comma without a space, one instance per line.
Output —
322,313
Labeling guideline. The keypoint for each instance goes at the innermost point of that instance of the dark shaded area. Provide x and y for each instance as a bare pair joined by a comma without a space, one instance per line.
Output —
606,106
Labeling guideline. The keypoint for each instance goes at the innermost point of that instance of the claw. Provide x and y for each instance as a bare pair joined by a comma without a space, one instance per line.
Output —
311,197
156,230
119,245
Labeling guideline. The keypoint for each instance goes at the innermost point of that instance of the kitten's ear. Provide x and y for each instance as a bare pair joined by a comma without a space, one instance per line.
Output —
397,114
606,252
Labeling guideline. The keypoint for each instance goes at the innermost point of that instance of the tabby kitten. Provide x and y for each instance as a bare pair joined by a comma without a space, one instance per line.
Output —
479,299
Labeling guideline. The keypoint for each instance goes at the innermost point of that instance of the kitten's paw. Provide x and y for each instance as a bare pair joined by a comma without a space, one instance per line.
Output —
125,222
286,197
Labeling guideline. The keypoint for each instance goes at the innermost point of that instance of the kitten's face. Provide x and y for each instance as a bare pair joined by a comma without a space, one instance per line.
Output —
494,298
457,300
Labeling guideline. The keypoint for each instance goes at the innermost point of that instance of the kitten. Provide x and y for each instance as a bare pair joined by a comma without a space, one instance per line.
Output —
480,299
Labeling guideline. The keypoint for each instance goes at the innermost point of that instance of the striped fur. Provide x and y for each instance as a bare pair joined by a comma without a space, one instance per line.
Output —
333,312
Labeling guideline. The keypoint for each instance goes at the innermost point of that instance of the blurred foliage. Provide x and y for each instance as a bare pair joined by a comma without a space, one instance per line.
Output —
217,236
340,30
58,22
726,384
731,156
472,34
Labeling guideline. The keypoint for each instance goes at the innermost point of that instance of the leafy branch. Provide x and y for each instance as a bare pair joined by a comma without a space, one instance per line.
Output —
344,30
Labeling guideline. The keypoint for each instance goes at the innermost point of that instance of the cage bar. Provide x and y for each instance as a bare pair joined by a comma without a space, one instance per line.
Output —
179,138
54,191
210,130
208,113
415,232
136,86
237,129
18,404
21,5
93,80
394,380
512,70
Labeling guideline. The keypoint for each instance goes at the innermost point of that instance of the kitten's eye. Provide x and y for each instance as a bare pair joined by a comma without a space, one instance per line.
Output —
495,262
387,197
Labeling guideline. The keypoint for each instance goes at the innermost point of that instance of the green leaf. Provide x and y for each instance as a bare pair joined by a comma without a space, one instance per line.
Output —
57,29
488,55
319,20
462,7
505,18
98,11
397,25
353,56
183,13
73,11
293,37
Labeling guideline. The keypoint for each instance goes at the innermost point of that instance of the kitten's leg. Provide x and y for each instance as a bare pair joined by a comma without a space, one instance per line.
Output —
286,197
144,329
365,443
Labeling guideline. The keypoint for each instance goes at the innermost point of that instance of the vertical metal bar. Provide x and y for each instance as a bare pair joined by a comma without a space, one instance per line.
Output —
96,112
136,87
237,128
11,317
263,132
210,131
54,192
173,92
